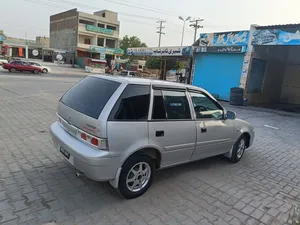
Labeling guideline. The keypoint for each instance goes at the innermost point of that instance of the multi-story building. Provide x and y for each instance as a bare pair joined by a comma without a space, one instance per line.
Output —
86,35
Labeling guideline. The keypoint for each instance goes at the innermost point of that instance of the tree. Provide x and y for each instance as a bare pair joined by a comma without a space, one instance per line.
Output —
154,63
130,42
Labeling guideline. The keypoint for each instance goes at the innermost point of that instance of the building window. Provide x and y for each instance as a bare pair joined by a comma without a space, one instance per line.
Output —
103,14
86,22
100,42
110,43
87,41
111,27
101,25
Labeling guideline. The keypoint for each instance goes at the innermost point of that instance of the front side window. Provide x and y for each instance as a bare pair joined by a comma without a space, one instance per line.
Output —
205,108
133,104
176,105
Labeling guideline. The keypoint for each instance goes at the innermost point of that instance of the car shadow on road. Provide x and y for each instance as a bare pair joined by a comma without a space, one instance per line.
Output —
55,188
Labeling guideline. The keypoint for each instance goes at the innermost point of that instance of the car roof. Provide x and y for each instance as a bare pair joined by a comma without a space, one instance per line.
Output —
146,81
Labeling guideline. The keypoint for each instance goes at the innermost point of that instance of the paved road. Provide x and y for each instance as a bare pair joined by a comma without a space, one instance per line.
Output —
38,186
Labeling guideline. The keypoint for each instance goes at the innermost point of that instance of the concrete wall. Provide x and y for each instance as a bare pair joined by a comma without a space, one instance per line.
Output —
64,39
97,18
63,15
63,30
45,41
274,74
111,16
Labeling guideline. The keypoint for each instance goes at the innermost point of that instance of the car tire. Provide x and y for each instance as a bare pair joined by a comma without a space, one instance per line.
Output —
136,176
35,71
45,71
13,70
239,149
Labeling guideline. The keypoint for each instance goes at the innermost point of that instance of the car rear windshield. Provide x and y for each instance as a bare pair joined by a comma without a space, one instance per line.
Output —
90,95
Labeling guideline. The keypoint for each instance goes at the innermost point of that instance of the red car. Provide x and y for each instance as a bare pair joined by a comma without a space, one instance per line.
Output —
21,66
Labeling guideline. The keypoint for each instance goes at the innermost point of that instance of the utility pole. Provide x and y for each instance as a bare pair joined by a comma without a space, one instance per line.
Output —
195,23
161,22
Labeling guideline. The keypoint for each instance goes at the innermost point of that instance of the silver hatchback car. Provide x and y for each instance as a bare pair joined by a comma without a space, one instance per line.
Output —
121,129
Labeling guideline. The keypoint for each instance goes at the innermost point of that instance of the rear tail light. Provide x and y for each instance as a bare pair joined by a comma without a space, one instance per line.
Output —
83,136
92,140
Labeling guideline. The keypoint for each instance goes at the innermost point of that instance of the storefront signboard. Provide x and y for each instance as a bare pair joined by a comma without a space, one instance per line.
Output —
163,51
220,49
235,38
99,29
108,51
276,37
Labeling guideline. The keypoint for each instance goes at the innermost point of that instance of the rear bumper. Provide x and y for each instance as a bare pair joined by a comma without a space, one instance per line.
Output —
95,164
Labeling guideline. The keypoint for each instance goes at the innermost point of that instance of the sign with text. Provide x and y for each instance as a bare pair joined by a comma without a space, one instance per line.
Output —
108,51
99,29
276,37
234,38
163,51
220,49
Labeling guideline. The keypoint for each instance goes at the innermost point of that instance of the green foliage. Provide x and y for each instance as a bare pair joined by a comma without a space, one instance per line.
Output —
130,42
154,63
179,65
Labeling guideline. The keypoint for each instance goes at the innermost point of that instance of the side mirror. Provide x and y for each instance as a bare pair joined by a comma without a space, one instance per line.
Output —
230,115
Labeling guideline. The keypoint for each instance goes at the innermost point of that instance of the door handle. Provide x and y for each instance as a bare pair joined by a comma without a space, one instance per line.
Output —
159,133
203,130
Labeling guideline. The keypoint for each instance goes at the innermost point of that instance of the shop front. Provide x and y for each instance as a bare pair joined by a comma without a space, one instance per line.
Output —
98,53
168,55
218,62
273,72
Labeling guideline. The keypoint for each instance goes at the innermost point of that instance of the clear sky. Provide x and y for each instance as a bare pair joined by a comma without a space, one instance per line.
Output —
30,18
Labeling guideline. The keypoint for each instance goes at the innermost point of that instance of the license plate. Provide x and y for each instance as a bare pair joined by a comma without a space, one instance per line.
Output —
65,153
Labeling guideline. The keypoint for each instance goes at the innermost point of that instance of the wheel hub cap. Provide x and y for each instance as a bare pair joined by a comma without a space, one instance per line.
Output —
241,148
138,176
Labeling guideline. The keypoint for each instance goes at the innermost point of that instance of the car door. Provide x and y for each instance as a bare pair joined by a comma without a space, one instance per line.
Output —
215,134
27,66
18,65
171,126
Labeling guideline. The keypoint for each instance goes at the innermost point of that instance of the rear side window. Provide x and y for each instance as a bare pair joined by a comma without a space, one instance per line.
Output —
159,112
176,105
133,104
17,63
171,105
90,95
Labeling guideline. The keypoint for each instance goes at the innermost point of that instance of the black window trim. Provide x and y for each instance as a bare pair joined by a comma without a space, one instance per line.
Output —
170,88
206,95
113,111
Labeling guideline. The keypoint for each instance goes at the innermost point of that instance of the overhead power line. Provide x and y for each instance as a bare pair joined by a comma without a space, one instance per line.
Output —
60,4
161,22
